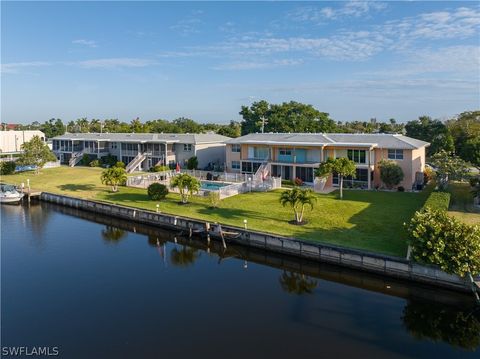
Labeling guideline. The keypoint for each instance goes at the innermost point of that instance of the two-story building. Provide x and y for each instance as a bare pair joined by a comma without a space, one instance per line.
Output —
297,155
143,150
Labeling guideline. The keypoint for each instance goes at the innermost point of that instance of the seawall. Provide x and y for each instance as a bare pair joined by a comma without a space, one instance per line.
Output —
351,258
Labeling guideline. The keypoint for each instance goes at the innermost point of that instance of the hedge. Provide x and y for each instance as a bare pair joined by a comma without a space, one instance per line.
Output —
438,200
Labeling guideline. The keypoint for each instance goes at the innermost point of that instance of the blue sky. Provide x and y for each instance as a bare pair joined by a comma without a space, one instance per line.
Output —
203,60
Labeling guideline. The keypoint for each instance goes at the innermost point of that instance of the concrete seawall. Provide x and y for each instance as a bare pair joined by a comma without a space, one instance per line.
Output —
351,258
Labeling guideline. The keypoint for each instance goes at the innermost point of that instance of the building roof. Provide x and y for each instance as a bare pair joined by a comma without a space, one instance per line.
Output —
384,140
195,138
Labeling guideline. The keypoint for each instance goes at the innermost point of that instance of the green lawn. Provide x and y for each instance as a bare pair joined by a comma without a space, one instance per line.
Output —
461,203
363,219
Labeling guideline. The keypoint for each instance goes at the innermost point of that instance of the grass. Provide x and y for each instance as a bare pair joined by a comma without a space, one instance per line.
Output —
461,203
366,220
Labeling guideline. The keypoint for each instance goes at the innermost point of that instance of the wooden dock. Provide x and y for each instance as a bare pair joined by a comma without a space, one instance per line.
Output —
30,193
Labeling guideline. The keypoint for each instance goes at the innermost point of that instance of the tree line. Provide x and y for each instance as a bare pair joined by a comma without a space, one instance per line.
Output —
459,135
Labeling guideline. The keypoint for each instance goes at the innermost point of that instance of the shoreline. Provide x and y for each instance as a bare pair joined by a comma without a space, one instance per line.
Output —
389,266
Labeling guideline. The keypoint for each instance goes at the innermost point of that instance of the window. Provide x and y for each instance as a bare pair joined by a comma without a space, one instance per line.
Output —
235,165
357,156
304,173
395,154
285,152
250,167
187,147
236,147
247,167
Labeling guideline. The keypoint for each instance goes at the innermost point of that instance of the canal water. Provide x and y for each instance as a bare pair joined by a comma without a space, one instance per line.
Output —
96,287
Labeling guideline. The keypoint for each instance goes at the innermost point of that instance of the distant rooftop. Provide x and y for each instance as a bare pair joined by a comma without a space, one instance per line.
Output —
383,140
194,138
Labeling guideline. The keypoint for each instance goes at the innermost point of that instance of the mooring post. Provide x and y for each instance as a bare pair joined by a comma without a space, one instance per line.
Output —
207,229
221,235
190,230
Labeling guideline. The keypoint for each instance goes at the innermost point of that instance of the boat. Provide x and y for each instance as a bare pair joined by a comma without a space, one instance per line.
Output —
9,194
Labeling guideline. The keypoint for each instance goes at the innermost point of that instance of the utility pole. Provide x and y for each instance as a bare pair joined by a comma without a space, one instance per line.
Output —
264,121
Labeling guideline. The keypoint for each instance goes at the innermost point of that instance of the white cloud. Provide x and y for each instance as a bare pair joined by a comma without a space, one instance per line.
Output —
112,63
254,65
454,24
315,14
14,67
189,25
88,43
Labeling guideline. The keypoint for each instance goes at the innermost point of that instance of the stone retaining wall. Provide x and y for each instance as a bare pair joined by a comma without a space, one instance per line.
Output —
371,262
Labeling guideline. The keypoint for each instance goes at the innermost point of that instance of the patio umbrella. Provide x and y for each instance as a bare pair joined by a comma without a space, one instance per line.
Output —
177,169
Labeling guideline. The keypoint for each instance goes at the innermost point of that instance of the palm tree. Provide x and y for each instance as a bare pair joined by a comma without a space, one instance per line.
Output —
342,166
83,124
296,283
114,177
186,184
298,198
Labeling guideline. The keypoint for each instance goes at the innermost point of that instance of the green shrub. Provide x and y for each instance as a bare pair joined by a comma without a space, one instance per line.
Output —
160,168
85,161
436,238
438,201
157,191
390,173
288,183
7,167
192,163
214,199
95,163
109,160
120,164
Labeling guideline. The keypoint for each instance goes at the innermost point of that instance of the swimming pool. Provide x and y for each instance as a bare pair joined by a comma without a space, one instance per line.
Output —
212,186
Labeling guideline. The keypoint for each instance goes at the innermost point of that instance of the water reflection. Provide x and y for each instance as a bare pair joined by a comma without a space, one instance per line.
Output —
113,234
440,322
426,313
297,283
184,256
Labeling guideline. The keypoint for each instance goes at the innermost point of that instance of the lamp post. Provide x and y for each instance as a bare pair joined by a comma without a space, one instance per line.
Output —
250,183
245,223
158,206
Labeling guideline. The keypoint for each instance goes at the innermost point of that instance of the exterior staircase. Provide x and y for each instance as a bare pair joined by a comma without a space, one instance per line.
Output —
136,162
76,157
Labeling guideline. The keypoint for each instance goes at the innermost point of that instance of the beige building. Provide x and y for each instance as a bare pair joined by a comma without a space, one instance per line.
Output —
11,141
297,155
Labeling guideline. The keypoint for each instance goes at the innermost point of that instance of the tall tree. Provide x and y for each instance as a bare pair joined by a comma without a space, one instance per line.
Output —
36,153
53,127
448,167
187,125
433,131
286,117
342,166
465,130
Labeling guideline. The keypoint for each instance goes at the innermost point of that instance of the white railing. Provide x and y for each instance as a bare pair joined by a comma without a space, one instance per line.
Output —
76,157
139,158
144,181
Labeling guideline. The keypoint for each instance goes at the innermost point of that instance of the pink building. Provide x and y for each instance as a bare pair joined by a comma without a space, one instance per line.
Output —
297,155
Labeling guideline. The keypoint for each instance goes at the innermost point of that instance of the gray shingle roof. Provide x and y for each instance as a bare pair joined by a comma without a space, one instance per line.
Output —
393,141
196,138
